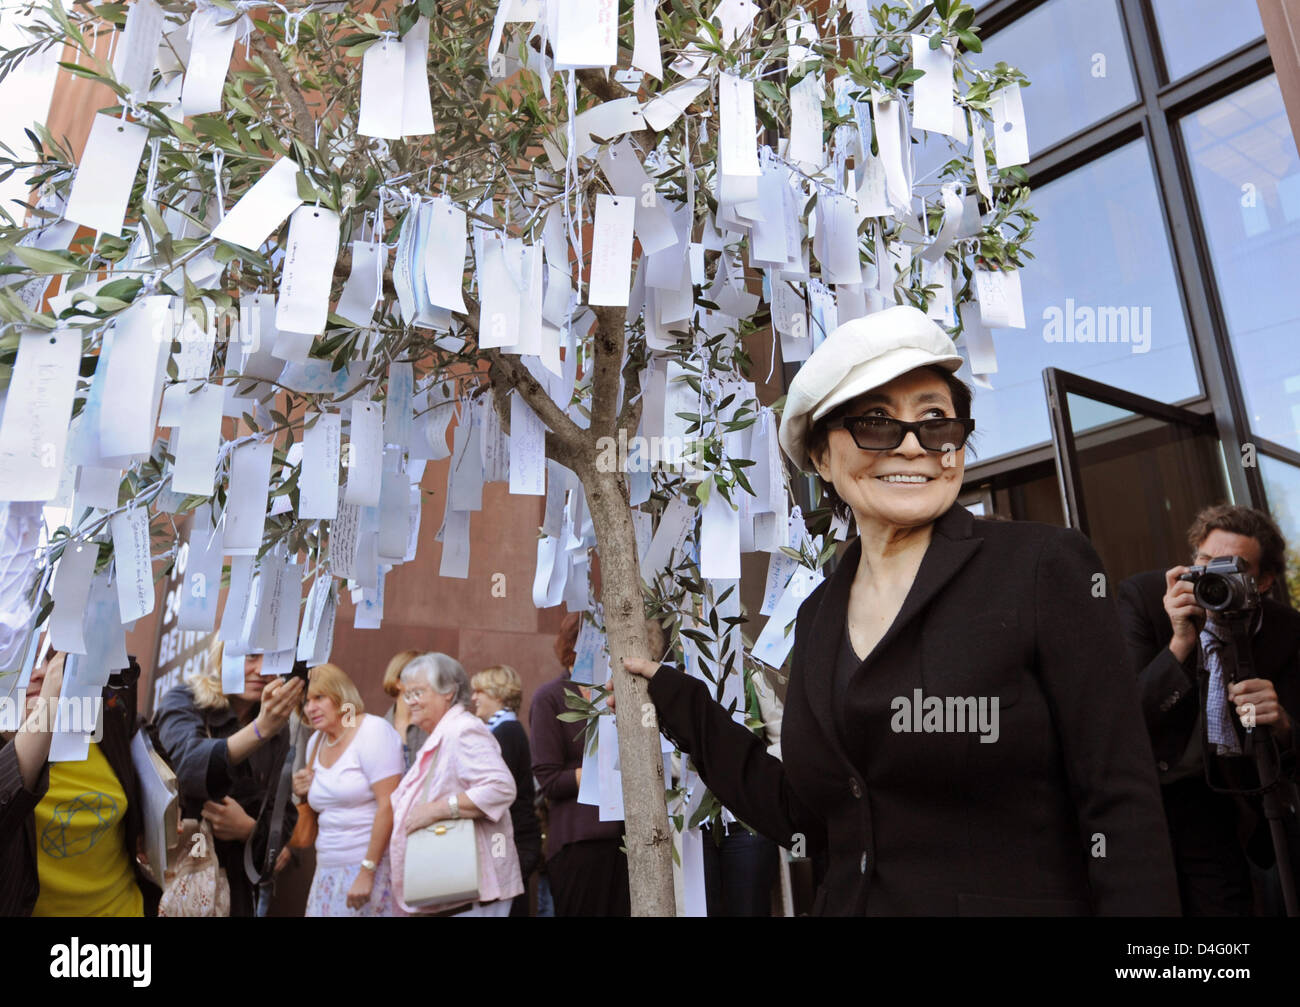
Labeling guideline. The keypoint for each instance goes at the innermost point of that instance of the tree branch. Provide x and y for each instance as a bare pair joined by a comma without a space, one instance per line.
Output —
609,340
304,124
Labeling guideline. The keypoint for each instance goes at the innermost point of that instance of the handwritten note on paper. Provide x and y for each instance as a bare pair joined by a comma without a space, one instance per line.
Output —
198,441
611,250
527,449
108,165
135,593
587,34
34,433
991,292
318,485
938,274
669,538
262,208
806,123
498,282
365,453
210,48
308,271
738,153
250,480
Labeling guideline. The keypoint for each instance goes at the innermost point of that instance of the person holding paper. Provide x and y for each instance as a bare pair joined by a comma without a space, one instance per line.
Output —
458,773
962,734
70,831
496,693
227,752
353,766
586,867
398,715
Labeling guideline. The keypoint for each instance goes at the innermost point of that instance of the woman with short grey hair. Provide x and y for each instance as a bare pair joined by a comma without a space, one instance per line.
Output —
458,773
441,673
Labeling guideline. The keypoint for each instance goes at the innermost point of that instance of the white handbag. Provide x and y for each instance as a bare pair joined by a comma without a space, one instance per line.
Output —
441,861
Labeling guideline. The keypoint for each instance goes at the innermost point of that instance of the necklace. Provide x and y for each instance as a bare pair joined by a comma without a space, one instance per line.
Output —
331,744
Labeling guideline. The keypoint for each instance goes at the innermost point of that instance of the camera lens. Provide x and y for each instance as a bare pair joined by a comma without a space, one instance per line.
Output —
1213,592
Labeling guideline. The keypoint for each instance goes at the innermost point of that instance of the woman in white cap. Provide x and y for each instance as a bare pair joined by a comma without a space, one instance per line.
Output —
962,731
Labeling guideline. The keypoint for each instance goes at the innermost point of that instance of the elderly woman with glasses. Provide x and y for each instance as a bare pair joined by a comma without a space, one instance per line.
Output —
962,731
457,773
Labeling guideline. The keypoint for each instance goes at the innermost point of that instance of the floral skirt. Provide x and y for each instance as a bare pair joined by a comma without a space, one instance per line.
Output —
330,886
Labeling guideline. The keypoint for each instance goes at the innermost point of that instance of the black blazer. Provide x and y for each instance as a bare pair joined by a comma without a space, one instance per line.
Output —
952,826
1169,689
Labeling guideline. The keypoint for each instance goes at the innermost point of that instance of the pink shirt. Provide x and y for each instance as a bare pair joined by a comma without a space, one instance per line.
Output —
468,760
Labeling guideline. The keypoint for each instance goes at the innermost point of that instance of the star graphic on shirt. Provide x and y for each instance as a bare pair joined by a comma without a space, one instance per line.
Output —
60,842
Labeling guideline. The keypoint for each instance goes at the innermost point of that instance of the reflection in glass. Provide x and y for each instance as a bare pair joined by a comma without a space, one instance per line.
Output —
1102,269
1076,58
1196,32
1086,413
1247,178
1282,486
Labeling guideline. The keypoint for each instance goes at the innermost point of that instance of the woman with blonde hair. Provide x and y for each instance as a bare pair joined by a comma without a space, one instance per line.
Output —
353,766
398,715
497,693
227,752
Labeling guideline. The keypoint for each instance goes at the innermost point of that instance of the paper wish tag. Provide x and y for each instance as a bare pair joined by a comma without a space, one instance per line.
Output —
932,94
738,147
262,208
37,411
417,106
134,572
383,69
444,256
205,74
586,34
137,51
806,121
70,589
1010,137
304,301
361,291
611,250
991,292
105,174
318,482
979,342
645,38
201,588
774,642
250,480
364,455
198,440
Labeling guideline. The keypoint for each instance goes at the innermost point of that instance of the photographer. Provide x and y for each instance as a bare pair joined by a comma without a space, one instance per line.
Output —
1173,646
227,752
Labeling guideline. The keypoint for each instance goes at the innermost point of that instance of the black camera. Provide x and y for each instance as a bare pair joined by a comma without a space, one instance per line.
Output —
1225,585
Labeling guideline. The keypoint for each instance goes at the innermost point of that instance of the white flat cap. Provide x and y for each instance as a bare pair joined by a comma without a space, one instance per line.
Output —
858,356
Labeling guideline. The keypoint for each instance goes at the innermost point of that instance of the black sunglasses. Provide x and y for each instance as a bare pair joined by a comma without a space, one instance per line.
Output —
884,433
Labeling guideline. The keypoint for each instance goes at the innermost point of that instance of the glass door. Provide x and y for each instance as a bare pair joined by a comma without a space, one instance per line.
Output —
1133,472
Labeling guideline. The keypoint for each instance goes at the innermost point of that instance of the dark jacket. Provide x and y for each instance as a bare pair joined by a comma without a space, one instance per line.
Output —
1169,689
944,824
1172,696
19,884
557,755
194,742
528,833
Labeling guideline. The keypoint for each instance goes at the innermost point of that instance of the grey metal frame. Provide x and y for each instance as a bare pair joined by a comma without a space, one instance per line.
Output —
1154,116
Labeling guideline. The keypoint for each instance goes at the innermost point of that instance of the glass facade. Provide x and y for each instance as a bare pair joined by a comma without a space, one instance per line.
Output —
1102,272
1282,483
1247,178
1196,32
1076,59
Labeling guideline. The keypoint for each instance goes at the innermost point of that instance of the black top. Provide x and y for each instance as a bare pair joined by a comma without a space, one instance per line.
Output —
194,742
943,823
528,831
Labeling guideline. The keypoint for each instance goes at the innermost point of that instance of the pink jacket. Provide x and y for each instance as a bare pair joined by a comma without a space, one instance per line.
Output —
465,758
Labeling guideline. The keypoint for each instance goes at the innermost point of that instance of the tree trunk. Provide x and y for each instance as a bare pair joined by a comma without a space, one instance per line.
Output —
648,835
